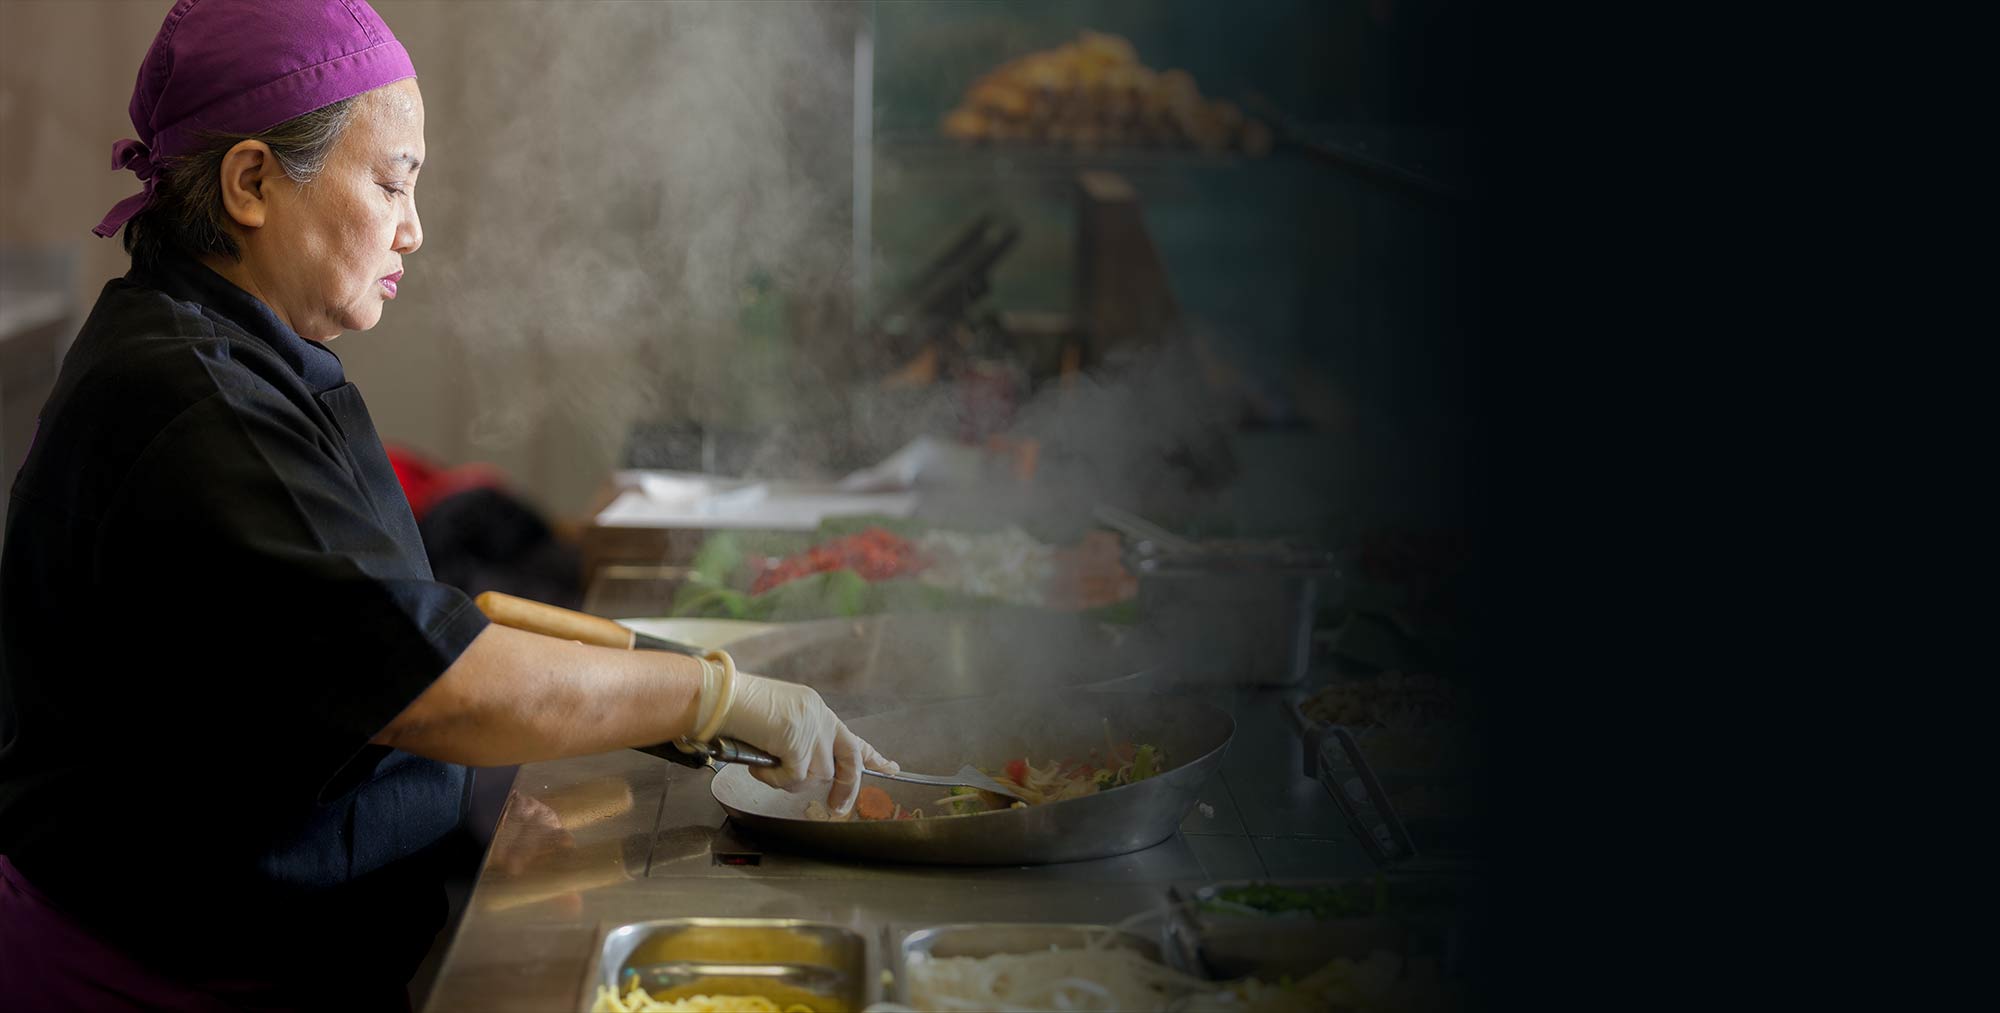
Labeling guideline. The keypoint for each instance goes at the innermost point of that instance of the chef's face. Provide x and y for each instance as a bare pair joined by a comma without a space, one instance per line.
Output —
330,252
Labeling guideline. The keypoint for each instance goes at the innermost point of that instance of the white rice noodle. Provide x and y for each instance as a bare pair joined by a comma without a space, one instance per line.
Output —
1095,978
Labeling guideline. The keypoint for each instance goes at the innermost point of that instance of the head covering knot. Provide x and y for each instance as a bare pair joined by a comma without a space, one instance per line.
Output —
134,155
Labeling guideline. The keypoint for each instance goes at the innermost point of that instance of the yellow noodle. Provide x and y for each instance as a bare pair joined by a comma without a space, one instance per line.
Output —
638,1001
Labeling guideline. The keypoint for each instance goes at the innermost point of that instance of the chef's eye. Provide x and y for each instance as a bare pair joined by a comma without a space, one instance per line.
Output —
393,189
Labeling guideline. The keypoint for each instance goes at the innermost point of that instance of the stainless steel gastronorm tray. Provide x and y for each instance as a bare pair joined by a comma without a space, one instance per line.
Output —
1427,918
984,939
787,960
1224,944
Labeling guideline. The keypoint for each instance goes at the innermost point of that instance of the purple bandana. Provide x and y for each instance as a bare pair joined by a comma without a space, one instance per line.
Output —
241,66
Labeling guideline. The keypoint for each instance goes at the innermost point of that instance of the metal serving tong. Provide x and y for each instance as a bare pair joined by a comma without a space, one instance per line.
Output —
555,621
968,776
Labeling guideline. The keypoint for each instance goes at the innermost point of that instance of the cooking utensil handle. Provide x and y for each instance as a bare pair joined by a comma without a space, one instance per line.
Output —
738,751
721,751
908,778
552,621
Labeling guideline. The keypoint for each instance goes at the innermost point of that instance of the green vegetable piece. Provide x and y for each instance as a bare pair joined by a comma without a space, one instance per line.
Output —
718,558
818,596
1144,763
971,803
1105,780
707,601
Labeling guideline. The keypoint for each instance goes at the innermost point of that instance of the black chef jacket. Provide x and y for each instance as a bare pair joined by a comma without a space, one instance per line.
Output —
212,595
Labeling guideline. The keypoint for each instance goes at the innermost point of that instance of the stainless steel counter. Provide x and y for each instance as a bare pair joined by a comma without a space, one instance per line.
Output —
622,837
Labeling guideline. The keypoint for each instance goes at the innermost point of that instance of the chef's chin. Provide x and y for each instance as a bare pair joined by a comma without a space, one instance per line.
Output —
362,319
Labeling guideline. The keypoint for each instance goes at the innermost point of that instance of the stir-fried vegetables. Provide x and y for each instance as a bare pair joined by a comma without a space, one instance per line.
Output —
963,801
1121,763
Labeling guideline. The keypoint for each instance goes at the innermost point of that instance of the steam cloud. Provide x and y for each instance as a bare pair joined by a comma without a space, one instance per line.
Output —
602,180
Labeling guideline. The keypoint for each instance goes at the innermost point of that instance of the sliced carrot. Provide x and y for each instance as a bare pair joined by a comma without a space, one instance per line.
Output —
1017,771
874,804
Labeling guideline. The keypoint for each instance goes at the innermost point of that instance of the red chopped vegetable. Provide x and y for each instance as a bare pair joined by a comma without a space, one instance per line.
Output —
1017,772
875,554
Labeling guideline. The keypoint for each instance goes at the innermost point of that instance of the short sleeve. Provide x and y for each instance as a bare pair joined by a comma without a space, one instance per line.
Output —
274,615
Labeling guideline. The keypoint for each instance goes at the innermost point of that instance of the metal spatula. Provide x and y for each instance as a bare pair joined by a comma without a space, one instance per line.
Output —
968,776
730,751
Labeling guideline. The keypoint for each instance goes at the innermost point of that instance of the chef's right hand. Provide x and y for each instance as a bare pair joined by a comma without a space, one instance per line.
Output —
791,722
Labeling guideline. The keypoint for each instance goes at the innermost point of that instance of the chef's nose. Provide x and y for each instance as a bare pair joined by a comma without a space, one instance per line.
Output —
409,231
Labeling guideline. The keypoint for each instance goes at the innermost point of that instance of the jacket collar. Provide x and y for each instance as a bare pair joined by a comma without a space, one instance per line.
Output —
188,279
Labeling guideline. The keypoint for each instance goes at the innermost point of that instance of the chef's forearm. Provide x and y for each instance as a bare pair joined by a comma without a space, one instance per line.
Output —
516,697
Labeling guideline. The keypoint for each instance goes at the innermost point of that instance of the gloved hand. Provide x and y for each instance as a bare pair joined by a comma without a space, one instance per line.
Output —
792,723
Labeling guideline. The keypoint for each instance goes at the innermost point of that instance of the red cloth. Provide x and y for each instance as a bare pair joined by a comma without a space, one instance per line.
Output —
425,481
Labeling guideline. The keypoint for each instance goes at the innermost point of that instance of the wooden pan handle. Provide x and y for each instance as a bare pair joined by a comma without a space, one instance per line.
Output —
551,621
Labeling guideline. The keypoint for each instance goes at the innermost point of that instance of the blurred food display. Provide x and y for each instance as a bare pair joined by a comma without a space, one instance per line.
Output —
855,566
1094,93
874,554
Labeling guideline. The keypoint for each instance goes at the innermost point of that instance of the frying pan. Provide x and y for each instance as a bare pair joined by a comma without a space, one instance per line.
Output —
987,732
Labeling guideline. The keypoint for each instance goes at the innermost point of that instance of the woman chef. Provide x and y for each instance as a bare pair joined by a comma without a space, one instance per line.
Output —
235,711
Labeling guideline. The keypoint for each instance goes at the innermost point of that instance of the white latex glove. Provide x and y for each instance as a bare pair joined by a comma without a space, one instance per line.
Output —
792,723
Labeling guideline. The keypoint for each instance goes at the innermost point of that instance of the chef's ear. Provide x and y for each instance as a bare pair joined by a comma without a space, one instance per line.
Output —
245,169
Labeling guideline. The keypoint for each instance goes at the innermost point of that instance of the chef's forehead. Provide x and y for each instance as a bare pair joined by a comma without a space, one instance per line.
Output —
388,124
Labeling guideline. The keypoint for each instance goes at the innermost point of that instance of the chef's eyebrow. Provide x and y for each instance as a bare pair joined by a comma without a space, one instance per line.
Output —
410,160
